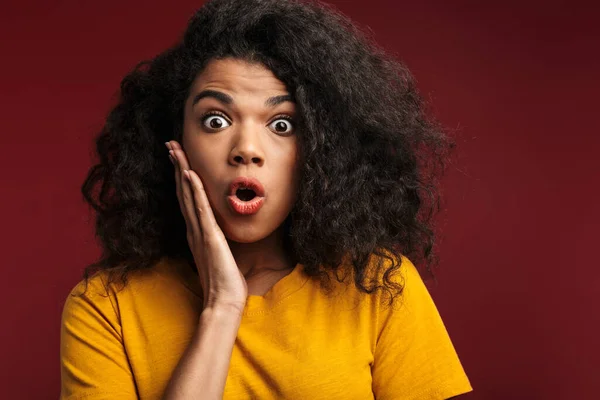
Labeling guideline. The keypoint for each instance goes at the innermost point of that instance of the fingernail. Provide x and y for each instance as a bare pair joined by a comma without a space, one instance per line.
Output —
168,145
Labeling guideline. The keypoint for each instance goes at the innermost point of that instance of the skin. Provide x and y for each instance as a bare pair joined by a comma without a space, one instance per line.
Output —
236,255
253,140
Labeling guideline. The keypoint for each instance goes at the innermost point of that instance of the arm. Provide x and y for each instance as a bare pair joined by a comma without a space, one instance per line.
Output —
202,370
93,361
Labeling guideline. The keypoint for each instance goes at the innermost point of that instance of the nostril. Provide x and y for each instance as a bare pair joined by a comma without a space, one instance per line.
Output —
241,160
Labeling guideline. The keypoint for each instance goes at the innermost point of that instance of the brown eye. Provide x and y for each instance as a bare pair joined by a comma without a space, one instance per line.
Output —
215,122
282,125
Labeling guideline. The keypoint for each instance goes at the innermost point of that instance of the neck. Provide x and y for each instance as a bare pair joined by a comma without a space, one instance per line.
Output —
265,255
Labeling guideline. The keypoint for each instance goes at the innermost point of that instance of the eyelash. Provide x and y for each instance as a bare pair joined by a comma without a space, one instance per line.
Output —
220,114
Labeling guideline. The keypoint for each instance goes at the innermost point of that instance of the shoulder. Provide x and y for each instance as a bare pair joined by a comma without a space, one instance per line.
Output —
414,353
93,294
395,266
389,286
401,303
403,291
107,296
391,274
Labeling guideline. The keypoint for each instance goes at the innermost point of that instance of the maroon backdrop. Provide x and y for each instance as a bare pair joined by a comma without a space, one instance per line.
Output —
517,80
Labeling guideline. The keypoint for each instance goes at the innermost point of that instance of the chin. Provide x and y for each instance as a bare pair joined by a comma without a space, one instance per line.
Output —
245,233
246,229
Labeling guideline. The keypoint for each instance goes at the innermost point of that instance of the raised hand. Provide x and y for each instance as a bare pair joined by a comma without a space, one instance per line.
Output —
223,284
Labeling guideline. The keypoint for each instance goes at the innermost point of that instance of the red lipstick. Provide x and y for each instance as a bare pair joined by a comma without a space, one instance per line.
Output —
246,195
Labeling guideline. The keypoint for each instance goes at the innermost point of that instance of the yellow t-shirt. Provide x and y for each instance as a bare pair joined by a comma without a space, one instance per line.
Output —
296,342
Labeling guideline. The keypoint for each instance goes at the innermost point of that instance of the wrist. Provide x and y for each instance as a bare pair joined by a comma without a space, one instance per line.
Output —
223,311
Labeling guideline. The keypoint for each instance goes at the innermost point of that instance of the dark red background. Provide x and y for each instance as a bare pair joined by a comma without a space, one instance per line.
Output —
519,274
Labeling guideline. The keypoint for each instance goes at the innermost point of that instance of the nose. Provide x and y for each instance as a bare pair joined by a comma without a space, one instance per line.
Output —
246,148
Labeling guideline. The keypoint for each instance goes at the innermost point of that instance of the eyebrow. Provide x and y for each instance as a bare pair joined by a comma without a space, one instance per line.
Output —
227,100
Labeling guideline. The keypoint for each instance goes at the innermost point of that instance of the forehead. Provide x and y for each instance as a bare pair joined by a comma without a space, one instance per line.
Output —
238,76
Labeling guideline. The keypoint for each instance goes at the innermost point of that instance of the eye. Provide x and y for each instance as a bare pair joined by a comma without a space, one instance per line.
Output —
214,121
282,125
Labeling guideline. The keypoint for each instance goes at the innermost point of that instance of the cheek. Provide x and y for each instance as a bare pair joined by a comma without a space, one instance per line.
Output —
294,165
195,150
204,166
203,163
291,177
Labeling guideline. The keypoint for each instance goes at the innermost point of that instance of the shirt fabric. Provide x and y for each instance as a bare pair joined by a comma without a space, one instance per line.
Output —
295,342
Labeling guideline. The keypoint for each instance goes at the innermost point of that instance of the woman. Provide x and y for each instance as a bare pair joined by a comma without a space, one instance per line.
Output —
261,254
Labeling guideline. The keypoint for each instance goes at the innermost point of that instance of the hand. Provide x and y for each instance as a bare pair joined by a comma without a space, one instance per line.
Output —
223,284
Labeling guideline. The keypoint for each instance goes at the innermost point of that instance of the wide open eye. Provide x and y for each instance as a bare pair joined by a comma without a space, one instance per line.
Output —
215,121
282,125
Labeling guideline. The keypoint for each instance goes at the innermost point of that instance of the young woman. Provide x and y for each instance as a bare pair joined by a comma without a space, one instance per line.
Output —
258,190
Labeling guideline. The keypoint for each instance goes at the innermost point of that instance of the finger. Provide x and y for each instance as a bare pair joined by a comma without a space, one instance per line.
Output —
176,166
183,163
178,185
186,195
208,223
177,175
175,145
181,156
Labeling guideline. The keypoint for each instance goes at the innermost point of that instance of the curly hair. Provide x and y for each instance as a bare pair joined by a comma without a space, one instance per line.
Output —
370,154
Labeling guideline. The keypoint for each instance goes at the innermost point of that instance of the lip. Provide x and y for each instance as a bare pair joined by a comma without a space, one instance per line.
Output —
248,182
246,207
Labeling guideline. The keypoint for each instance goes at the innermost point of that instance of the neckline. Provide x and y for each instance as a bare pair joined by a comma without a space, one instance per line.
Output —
283,288
255,304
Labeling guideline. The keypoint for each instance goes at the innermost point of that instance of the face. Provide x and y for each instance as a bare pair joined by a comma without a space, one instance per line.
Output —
239,121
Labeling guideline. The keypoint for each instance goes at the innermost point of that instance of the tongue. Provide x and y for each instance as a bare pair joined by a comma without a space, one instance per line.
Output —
245,194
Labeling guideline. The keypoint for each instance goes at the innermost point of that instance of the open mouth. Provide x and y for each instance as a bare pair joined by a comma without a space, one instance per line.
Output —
245,194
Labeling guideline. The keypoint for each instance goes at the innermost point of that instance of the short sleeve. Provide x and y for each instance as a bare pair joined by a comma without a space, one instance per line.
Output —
93,361
414,356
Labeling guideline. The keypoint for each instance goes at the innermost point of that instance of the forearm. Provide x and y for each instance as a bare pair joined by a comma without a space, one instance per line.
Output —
202,370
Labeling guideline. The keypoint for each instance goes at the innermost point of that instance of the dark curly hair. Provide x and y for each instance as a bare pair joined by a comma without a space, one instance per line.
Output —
369,153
